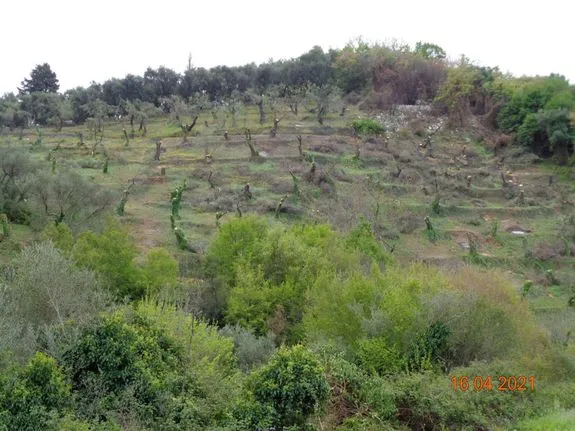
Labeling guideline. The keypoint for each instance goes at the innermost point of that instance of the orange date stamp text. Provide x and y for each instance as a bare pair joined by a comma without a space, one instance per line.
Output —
493,383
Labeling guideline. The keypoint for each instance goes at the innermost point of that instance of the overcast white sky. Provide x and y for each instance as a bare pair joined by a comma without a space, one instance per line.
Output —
93,40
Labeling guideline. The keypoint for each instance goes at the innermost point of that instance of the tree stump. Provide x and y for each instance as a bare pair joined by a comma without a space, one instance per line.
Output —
247,192
280,204
158,151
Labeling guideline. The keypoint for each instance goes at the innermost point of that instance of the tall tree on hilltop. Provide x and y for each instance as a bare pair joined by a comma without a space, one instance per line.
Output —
429,50
159,84
42,80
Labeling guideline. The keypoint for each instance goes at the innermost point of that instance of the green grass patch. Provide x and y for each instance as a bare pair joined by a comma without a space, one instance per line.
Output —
558,421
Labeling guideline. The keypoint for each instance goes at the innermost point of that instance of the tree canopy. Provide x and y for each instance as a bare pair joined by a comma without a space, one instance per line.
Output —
42,80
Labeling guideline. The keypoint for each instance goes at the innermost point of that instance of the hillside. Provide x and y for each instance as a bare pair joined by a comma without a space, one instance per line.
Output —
369,238
419,168
504,222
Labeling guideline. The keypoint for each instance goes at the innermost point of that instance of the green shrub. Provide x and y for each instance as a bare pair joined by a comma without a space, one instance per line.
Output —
530,96
379,394
239,237
70,197
89,163
35,397
361,238
293,384
61,236
367,126
114,354
249,415
371,395
457,88
377,358
388,305
526,132
70,423
436,207
428,401
486,317
328,243
432,320
259,276
156,363
160,271
252,300
431,349
205,385
111,254
250,350
538,112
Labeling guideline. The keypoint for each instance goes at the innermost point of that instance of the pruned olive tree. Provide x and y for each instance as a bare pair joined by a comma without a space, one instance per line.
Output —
295,95
275,96
98,111
185,113
142,114
220,113
323,100
138,113
234,106
259,99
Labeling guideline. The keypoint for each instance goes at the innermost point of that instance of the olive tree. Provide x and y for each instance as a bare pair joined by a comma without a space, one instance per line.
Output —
185,113
44,108
17,171
44,288
139,113
323,100
70,197
295,96
48,288
234,106
98,112
275,96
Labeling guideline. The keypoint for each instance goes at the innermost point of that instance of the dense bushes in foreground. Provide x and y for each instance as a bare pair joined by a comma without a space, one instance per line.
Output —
294,328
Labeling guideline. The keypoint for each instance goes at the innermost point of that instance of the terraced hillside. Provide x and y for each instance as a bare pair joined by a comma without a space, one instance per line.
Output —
510,210
430,193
